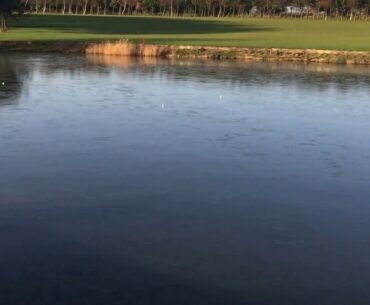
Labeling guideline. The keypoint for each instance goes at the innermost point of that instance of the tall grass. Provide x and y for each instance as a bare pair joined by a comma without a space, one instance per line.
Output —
126,48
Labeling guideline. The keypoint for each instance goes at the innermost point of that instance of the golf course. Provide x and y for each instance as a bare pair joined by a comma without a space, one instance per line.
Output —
223,32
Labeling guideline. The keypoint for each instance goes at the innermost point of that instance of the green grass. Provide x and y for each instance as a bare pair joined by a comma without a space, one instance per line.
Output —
247,32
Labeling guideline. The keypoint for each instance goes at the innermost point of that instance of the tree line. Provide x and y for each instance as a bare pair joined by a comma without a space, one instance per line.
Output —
352,9
341,9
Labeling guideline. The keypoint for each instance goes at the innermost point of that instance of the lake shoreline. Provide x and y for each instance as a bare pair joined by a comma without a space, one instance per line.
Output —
191,52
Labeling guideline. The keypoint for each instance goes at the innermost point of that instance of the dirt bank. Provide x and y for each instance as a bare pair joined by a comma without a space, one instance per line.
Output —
125,48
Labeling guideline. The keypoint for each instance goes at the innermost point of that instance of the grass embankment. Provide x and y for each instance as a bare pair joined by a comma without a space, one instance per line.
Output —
230,32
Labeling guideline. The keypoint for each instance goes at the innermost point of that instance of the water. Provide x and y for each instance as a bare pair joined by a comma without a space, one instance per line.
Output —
157,182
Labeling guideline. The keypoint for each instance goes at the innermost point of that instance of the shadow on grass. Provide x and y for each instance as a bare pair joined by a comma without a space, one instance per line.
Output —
134,25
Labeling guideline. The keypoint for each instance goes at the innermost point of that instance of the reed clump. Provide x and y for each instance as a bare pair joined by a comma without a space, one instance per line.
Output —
127,48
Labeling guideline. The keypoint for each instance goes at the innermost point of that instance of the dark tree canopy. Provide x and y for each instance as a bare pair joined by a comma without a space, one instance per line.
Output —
7,9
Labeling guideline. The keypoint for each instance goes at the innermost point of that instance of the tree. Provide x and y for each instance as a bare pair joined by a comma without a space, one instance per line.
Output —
9,8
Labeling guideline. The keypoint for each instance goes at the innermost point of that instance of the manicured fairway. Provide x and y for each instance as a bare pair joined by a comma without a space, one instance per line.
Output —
247,32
